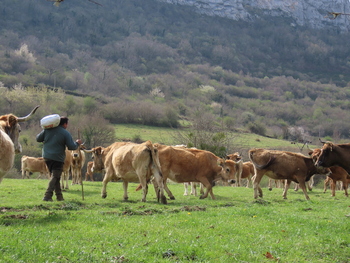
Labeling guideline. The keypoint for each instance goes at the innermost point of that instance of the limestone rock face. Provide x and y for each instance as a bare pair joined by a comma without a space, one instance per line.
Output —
312,13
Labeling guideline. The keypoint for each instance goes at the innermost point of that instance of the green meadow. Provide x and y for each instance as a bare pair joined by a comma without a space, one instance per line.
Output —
233,228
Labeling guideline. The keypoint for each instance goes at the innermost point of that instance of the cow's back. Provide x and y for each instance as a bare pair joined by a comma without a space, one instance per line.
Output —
177,164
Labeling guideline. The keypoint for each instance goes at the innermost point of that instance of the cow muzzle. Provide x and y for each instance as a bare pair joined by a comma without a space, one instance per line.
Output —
232,181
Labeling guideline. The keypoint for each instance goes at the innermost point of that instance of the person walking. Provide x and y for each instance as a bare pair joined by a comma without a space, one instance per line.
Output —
55,142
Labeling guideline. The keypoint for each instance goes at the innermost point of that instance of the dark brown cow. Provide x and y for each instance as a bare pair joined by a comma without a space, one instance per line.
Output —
334,155
192,165
9,140
282,165
132,163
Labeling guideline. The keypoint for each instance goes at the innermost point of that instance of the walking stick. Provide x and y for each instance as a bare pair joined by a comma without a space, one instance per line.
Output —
82,186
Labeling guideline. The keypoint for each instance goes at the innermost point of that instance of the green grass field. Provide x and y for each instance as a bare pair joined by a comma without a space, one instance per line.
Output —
232,228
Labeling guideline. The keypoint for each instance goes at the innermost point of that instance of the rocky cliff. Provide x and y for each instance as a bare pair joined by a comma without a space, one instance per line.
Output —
312,13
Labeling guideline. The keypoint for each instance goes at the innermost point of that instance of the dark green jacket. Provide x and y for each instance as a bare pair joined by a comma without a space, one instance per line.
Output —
55,142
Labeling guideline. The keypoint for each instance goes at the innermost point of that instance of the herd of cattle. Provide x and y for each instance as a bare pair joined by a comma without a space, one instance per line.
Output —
146,162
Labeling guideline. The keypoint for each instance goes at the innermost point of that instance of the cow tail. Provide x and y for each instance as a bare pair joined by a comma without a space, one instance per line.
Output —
155,159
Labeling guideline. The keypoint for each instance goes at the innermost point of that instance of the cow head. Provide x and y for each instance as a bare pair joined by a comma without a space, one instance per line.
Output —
228,170
10,125
322,157
315,154
97,154
234,157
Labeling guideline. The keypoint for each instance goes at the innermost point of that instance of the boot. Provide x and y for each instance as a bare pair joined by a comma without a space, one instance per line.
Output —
50,189
58,190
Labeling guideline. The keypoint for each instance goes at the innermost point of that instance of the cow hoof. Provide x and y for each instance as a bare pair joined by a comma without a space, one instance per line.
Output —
201,197
104,195
163,200
172,198
270,189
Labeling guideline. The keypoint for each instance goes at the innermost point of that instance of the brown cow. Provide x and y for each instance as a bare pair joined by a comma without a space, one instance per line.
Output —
89,172
9,143
282,165
337,173
34,165
192,165
132,163
334,155
66,169
237,158
244,170
247,172
78,161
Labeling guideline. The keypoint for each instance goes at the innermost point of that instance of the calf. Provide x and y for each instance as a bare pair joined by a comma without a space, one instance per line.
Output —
89,172
78,161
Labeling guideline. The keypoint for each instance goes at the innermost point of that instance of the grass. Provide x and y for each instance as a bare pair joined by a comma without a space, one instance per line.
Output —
232,228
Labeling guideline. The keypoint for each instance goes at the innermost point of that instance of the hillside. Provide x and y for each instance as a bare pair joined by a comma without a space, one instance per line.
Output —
154,63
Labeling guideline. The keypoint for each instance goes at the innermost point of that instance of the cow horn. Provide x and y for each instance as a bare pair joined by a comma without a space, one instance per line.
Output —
21,119
323,142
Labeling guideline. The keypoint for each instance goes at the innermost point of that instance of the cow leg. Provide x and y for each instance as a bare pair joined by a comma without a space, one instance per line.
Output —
193,188
208,187
161,186
186,190
80,177
310,183
286,187
325,184
125,187
296,187
270,184
167,190
333,184
303,187
143,182
201,188
345,187
67,179
105,181
256,184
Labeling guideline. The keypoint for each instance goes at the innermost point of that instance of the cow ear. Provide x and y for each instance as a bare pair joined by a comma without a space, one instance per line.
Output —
220,162
310,153
12,120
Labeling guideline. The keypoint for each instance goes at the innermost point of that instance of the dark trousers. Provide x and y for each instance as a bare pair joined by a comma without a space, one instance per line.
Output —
55,169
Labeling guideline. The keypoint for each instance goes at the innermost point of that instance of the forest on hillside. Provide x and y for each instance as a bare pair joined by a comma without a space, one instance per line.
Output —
156,64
